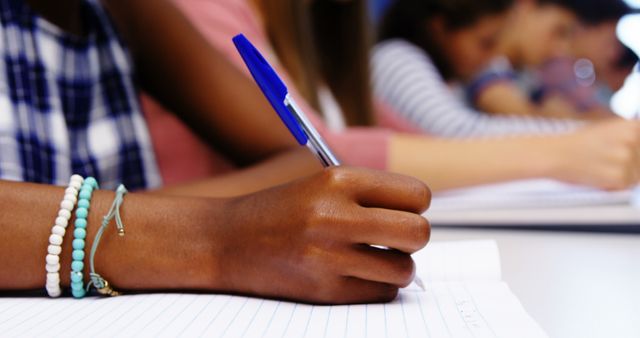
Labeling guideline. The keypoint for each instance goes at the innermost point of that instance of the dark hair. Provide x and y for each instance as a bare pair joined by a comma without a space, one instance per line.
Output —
408,19
325,42
342,36
593,12
628,59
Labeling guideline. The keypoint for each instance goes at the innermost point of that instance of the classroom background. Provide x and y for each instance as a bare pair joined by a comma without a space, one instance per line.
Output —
546,252
625,102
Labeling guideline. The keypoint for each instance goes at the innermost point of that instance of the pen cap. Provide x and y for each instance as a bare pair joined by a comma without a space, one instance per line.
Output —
270,83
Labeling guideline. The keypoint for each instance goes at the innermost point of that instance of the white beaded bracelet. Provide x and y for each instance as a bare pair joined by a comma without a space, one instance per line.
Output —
57,236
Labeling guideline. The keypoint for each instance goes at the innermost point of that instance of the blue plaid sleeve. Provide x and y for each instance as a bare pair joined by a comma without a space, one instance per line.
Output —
68,104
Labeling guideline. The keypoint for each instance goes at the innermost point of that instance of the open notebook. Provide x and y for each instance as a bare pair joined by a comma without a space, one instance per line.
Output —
537,204
540,193
465,298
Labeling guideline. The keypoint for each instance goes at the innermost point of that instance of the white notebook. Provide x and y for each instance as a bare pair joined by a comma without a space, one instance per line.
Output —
541,193
538,204
465,297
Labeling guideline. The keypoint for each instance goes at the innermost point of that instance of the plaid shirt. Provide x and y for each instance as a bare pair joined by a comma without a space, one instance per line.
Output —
68,104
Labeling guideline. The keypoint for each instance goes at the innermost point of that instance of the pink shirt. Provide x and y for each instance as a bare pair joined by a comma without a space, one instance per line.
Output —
181,155
219,21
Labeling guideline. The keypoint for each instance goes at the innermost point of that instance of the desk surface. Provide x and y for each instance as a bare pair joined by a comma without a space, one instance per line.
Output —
574,284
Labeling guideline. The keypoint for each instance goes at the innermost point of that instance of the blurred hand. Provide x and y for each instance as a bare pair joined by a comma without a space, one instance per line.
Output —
311,240
556,106
605,155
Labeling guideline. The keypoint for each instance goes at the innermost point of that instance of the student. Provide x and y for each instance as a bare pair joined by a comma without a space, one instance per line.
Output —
598,57
69,106
444,164
545,34
425,45
414,66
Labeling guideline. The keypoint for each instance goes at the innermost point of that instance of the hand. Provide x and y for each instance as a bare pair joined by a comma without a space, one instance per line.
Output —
605,155
311,240
556,106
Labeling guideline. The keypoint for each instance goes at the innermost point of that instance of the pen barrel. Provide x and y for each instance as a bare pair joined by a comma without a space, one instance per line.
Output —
326,161
315,142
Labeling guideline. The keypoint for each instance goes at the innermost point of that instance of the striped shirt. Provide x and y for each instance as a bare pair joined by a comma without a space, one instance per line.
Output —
405,78
68,104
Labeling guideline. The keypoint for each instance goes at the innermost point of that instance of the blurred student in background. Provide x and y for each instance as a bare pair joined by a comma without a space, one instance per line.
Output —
549,34
598,65
428,45
323,46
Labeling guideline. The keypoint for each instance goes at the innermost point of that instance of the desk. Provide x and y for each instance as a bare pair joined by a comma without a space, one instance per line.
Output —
574,284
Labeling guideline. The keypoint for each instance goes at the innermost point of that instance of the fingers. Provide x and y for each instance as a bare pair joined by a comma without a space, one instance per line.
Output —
636,166
350,290
322,252
634,149
399,230
383,190
395,192
633,168
379,265
625,167
621,150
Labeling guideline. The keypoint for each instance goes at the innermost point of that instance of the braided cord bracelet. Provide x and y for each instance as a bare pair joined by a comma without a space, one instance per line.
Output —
101,284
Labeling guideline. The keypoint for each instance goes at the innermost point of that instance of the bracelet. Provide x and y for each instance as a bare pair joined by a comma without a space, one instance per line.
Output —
79,234
57,236
101,284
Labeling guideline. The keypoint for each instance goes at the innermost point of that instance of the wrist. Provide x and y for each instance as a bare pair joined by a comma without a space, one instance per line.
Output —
169,244
552,156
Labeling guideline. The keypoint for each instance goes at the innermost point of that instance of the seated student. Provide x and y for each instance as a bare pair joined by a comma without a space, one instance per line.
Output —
427,43
582,157
69,106
546,35
427,46
580,89
537,32
600,63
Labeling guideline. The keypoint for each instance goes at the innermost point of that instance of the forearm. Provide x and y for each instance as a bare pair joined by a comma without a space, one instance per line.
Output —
278,170
505,99
506,107
450,164
298,241
180,69
598,113
168,242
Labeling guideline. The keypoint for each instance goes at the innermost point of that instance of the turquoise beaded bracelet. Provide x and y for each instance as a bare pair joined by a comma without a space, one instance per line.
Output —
79,235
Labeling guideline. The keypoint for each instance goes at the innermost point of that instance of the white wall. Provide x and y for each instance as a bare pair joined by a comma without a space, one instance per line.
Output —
627,101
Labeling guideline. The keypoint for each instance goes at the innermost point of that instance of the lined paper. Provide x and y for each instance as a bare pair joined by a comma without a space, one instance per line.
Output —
461,261
456,307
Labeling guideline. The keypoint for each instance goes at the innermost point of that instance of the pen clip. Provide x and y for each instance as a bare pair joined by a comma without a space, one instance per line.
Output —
272,86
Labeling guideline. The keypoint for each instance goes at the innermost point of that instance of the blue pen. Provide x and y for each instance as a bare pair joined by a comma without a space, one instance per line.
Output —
293,117
276,92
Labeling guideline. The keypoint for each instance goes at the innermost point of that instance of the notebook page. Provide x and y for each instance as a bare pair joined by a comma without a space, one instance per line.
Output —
603,217
464,298
527,194
457,309
459,261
